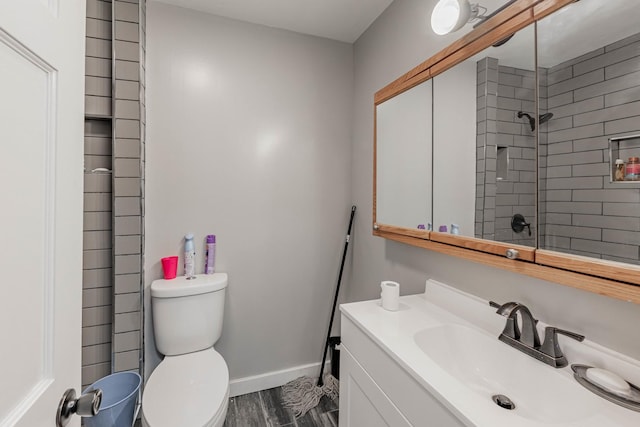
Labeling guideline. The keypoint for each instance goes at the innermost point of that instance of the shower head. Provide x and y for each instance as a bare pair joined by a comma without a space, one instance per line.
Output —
544,118
532,121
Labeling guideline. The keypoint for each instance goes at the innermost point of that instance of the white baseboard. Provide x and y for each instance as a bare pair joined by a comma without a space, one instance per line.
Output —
273,379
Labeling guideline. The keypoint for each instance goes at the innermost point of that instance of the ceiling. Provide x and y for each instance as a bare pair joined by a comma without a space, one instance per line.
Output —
343,20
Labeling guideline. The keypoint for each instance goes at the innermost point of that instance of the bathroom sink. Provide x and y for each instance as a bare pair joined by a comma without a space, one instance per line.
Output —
489,367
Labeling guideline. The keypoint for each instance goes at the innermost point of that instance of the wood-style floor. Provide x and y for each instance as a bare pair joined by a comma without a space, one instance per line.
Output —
264,409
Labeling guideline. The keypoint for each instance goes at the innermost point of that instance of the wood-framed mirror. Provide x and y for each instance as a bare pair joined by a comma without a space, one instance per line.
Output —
494,232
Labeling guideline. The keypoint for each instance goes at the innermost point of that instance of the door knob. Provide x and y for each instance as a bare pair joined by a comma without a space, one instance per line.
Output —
86,405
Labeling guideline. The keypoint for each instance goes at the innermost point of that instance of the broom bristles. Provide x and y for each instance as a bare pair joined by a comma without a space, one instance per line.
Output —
303,394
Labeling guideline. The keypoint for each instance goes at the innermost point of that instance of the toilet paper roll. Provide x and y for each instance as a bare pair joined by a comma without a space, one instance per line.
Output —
390,295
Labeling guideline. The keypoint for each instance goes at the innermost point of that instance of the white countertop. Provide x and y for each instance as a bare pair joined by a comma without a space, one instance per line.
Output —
441,305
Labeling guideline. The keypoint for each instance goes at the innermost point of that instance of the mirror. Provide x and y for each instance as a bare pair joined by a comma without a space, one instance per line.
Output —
589,88
403,158
484,147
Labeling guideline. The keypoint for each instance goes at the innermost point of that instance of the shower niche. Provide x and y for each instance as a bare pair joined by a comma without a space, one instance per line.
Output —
625,149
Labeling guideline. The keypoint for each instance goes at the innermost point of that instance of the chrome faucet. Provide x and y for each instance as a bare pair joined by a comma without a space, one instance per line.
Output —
527,340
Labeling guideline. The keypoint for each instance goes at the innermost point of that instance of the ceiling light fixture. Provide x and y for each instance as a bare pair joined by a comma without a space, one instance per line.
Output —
451,15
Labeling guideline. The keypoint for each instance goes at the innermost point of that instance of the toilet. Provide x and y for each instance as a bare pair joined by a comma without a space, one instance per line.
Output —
190,387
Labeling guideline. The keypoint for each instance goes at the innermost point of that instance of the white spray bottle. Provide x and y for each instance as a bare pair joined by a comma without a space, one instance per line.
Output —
189,256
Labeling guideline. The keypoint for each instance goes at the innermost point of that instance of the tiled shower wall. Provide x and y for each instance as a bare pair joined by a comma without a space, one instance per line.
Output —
592,98
502,93
97,295
113,233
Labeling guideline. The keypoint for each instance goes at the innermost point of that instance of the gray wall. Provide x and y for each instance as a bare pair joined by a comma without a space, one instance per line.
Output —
250,131
592,98
397,41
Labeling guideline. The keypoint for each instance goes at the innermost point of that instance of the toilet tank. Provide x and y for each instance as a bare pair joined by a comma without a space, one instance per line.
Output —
187,314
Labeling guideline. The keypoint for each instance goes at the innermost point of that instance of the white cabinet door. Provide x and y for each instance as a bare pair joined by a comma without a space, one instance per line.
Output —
362,403
41,179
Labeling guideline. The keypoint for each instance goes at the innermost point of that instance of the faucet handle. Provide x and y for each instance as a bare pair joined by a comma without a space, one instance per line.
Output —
551,347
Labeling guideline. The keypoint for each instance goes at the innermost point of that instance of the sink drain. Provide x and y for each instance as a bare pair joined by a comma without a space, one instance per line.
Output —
503,401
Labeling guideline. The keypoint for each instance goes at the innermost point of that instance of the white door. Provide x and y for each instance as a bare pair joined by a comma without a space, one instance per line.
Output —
41,181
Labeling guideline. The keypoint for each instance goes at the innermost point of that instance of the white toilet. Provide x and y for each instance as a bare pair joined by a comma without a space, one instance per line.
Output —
190,387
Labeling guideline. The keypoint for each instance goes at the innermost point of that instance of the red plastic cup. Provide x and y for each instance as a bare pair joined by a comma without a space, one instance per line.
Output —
170,267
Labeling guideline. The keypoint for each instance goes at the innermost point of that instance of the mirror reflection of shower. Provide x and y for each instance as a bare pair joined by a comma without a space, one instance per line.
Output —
532,121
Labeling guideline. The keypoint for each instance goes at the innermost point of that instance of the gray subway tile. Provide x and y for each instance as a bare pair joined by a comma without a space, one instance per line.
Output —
622,209
610,222
127,283
630,124
576,133
98,86
94,354
97,145
621,236
127,303
127,225
125,109
560,148
578,82
126,361
558,195
97,221
591,182
98,28
97,183
126,341
593,208
623,42
579,107
127,264
615,249
126,206
584,157
97,202
127,70
590,144
93,335
98,48
92,373
127,31
125,89
558,218
97,297
559,75
97,278
608,114
594,169
92,162
559,100
625,195
125,322
560,123
126,147
124,11
611,57
97,106
126,51
126,187
125,128
624,96
621,68
99,9
127,245
96,258
96,240
608,86
127,168
97,67
96,316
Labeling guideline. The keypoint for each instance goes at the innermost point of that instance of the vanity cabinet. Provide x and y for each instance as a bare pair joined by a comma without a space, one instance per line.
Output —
375,390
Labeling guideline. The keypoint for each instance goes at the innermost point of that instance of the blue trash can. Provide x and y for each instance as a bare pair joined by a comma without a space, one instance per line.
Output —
119,397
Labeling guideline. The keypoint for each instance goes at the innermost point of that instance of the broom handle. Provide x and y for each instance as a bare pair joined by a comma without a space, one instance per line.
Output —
335,298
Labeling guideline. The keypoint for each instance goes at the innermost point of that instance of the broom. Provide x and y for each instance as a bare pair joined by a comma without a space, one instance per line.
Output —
304,393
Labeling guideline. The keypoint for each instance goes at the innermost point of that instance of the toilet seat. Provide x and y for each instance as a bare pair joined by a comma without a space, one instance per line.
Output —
187,390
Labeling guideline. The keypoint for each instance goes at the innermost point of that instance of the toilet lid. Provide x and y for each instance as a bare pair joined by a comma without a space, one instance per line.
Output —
186,390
